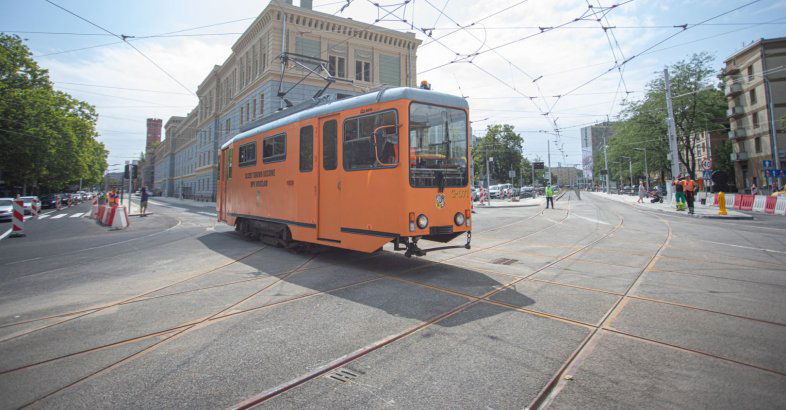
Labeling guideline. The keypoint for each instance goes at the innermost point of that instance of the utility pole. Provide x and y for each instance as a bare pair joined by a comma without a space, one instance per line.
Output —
488,178
776,157
548,150
606,160
675,167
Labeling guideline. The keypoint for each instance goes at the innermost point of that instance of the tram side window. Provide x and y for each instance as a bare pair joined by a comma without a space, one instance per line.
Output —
367,134
247,155
330,145
229,163
274,148
307,149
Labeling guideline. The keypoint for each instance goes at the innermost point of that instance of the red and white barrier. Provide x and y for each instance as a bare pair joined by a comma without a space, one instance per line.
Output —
730,201
105,215
18,229
759,203
780,205
770,205
36,208
118,218
746,202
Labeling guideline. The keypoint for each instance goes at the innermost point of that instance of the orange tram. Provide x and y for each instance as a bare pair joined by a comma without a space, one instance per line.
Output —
357,173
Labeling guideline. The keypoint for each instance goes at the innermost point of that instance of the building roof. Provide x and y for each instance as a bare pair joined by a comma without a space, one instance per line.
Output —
385,95
755,44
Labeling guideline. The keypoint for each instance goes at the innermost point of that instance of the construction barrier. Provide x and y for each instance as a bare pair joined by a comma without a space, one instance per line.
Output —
105,215
780,205
769,207
746,202
100,212
118,218
759,203
18,230
36,208
715,200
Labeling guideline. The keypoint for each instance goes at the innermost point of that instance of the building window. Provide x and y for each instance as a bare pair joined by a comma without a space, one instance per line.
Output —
363,71
752,95
254,115
756,119
228,127
750,72
337,66
757,144
307,149
261,105
248,112
389,70
241,115
274,148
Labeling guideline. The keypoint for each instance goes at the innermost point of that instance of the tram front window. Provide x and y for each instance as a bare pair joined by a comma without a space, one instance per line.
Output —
438,146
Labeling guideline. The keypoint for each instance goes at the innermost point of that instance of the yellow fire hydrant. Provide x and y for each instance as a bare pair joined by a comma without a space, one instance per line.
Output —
721,203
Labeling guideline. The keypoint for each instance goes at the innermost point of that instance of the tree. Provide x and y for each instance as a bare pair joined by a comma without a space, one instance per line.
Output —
47,138
502,144
699,105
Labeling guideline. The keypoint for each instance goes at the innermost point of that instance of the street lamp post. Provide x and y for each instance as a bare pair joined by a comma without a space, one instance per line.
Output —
646,168
630,169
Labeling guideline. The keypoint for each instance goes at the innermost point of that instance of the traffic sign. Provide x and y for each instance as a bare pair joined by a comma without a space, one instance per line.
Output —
767,163
706,164
707,174
537,165
512,173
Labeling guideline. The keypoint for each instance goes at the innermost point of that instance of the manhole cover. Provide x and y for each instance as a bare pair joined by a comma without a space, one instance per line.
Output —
343,375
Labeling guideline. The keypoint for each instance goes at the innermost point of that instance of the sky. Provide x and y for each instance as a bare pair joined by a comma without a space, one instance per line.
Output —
511,59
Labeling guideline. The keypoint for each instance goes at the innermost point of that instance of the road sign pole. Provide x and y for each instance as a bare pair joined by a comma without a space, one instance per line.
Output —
675,157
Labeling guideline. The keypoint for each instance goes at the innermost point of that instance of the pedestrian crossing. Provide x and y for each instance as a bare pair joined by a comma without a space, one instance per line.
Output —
52,215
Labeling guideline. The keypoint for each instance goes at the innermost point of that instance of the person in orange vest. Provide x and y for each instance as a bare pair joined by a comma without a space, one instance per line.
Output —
112,197
679,194
689,186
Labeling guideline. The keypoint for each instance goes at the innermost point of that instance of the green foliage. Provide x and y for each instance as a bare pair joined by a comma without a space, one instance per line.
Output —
698,106
722,158
47,138
505,146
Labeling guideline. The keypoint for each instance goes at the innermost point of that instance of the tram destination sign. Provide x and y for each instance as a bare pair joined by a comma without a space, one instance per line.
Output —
537,165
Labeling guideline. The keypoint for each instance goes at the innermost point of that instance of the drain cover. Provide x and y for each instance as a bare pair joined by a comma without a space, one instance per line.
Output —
504,261
343,375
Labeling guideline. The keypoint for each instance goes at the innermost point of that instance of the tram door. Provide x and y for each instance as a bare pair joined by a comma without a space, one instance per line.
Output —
329,222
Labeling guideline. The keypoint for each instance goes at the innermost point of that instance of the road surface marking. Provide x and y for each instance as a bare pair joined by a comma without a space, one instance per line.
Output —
742,246
5,234
26,260
44,216
59,216
78,214
207,213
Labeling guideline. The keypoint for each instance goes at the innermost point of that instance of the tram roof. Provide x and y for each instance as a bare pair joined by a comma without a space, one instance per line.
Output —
283,118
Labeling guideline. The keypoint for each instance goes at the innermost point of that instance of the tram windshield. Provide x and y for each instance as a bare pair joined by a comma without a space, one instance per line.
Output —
438,146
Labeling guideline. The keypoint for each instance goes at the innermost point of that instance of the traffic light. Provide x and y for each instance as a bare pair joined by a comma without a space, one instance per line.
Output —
133,171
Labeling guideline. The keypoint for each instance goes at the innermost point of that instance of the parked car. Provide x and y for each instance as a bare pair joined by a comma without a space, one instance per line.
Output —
494,191
6,209
526,192
475,194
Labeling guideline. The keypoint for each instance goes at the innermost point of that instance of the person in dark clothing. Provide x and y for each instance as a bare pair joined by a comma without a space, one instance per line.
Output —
143,201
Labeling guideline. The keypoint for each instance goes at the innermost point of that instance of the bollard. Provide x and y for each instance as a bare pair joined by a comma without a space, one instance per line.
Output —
58,204
18,230
722,203
36,208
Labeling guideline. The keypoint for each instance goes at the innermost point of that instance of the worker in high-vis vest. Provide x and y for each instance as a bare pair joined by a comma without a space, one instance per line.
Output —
549,196
112,198
689,185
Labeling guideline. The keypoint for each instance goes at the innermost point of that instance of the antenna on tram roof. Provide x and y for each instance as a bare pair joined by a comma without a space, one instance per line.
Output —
312,65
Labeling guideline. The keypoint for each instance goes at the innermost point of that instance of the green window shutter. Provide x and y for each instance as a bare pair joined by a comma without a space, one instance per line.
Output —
390,70
307,47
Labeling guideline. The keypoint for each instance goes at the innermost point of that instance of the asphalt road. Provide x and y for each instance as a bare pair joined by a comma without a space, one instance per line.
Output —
592,305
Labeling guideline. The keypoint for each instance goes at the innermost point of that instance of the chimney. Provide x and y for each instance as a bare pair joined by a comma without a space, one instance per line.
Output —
306,4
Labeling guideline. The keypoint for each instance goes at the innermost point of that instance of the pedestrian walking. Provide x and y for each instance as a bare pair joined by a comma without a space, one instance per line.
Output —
642,192
143,201
679,194
549,196
754,189
690,189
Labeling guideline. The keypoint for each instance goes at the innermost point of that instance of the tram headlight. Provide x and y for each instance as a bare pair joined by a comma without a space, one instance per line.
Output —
422,221
459,219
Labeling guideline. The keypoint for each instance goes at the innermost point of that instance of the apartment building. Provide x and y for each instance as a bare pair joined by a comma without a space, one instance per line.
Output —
756,90
245,88
593,139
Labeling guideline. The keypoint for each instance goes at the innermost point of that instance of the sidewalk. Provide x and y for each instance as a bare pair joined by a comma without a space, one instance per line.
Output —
176,201
506,203
701,211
